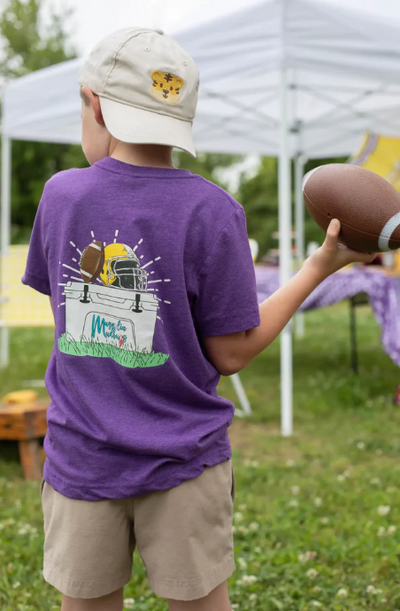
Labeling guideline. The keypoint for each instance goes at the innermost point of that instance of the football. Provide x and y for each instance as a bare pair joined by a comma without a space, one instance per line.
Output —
367,206
92,261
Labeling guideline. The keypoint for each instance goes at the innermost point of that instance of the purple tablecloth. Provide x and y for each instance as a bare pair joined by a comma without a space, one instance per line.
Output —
383,292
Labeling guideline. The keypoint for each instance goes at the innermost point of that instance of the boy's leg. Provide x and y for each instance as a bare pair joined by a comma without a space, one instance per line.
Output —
112,602
217,600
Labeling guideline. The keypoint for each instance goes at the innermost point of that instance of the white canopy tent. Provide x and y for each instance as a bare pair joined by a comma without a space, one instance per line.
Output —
289,78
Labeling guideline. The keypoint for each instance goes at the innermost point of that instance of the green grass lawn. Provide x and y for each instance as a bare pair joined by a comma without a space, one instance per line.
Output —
317,516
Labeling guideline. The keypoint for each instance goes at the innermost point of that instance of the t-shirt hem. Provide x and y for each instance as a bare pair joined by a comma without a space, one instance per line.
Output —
226,327
38,284
123,491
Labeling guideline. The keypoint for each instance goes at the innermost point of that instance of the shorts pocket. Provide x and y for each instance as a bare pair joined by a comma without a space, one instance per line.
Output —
233,490
42,483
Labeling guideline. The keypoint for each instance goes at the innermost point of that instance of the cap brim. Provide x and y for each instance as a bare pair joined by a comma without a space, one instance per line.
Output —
137,126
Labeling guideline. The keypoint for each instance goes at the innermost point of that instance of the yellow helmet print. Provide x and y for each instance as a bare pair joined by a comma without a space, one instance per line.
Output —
122,268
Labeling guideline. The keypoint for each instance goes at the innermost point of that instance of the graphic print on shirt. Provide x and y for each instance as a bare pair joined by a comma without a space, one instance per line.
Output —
111,310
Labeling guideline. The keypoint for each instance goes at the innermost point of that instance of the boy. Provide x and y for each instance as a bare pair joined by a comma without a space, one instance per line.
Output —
153,291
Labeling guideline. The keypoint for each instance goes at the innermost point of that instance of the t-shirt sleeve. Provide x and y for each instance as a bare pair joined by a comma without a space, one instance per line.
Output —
36,272
227,294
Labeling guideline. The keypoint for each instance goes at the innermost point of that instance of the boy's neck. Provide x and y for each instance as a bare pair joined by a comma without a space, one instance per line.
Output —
147,155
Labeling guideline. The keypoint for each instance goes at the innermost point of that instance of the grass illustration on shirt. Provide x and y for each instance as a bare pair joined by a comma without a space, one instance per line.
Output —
111,306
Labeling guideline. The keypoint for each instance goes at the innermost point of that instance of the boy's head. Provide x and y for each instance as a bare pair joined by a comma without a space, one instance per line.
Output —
138,86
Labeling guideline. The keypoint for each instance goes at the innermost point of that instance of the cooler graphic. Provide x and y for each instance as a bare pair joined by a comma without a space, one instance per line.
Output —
126,319
110,310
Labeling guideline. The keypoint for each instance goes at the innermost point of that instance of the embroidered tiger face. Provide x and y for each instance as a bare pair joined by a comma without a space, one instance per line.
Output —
166,87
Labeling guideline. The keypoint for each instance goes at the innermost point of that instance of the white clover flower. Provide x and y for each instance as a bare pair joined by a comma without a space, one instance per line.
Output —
247,580
347,473
242,563
254,463
384,510
290,463
392,529
316,603
312,573
317,589
325,521
341,478
253,596
243,530
235,606
254,526
381,531
342,593
16,585
295,490
128,603
23,531
242,507
361,445
318,502
293,503
375,481
371,590
238,516
307,556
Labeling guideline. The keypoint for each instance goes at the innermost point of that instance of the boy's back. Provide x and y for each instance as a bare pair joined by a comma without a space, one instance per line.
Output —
134,401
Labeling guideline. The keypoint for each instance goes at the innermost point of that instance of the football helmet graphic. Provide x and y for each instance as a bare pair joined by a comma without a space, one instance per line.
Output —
122,269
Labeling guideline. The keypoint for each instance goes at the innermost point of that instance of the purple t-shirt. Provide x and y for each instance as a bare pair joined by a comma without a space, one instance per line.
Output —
141,263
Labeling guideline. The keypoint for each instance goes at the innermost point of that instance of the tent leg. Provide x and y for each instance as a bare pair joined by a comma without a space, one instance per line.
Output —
241,394
5,217
5,195
4,347
285,256
299,214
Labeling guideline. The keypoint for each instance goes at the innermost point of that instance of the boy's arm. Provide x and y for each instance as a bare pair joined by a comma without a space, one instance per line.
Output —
230,353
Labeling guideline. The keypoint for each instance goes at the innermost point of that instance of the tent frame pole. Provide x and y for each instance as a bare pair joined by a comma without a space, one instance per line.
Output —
300,162
5,234
285,255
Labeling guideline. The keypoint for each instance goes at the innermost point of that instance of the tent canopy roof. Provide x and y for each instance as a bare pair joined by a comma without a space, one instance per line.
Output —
342,71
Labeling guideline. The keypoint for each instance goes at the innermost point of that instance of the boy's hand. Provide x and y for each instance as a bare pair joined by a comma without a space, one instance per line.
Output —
333,255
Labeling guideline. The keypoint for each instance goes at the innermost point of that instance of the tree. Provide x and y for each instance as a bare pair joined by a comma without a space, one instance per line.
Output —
26,48
206,165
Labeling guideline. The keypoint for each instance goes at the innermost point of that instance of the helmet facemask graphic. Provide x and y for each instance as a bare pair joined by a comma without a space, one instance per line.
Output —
125,272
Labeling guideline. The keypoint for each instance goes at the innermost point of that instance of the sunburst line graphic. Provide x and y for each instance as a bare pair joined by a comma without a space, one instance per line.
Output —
75,246
98,281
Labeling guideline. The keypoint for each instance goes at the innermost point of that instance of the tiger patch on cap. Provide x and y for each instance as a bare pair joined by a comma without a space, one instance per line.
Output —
166,87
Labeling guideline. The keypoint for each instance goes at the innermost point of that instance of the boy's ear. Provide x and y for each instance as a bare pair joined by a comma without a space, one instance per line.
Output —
156,75
94,102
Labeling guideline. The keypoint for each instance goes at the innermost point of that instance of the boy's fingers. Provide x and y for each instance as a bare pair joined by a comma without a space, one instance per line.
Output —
366,257
333,233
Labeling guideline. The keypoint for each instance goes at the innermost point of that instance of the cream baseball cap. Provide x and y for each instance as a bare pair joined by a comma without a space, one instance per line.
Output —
148,87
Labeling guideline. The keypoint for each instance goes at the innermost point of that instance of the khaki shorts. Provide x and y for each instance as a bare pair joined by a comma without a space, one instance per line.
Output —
183,535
